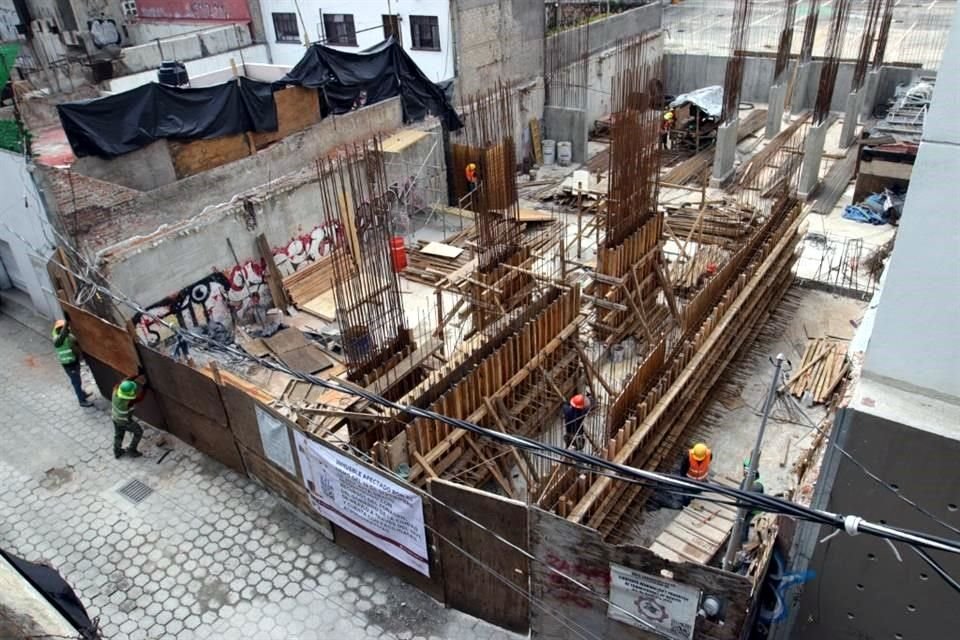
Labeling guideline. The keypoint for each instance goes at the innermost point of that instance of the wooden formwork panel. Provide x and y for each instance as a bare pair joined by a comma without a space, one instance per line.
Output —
184,384
469,586
196,156
106,342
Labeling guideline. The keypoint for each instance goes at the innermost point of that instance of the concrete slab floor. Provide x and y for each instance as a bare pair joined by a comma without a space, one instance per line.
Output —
733,414
209,554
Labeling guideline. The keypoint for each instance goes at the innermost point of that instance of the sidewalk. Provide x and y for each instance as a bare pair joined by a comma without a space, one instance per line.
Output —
206,554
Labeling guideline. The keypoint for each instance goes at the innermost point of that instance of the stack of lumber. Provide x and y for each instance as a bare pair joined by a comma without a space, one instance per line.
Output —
716,224
432,262
310,281
824,365
700,163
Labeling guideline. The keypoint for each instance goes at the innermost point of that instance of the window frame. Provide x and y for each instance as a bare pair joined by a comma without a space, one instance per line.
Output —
330,18
286,38
419,22
392,19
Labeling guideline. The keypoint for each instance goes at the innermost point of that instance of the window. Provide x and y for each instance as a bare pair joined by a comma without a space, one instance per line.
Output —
339,29
425,32
391,27
285,26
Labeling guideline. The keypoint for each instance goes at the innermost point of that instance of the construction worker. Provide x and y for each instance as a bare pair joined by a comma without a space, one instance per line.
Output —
128,393
68,352
696,464
472,173
665,127
573,414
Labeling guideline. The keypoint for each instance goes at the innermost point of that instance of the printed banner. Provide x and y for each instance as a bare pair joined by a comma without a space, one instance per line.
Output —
670,607
275,438
381,512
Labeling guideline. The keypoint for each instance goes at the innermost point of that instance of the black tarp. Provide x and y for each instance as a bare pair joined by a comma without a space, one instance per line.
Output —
124,122
57,592
349,80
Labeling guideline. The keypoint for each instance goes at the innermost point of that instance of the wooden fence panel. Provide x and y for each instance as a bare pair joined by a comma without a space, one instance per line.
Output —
181,383
106,377
199,431
581,553
106,342
469,586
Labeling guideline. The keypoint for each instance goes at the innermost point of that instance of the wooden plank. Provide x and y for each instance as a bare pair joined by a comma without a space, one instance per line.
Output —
202,433
307,359
183,384
483,595
286,340
272,276
442,250
323,306
106,342
494,469
106,377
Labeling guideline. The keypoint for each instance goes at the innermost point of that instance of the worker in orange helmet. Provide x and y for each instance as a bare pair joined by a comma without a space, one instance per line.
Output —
574,413
472,173
696,464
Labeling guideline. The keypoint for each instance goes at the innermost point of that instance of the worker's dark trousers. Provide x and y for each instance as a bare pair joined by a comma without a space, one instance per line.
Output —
120,428
73,372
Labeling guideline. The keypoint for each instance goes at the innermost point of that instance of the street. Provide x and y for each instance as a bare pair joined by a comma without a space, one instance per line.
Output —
206,553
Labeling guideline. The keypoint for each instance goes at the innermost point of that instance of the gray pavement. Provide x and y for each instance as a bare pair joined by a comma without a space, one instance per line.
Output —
207,554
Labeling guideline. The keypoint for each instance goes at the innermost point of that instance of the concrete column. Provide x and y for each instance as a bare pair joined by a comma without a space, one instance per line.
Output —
778,94
567,125
800,88
869,92
812,156
726,152
849,132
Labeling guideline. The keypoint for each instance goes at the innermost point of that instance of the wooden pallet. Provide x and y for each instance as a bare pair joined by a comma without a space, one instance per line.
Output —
698,531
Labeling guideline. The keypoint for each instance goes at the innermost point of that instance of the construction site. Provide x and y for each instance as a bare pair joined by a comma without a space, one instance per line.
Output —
348,304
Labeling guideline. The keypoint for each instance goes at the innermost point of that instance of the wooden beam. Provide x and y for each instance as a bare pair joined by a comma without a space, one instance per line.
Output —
274,279
494,469
425,464
592,371
667,292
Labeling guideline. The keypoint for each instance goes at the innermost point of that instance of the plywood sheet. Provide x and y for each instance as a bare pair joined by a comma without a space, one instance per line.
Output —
106,377
402,139
286,340
483,595
182,384
202,433
297,109
106,342
308,359
442,250
196,156
323,306
532,215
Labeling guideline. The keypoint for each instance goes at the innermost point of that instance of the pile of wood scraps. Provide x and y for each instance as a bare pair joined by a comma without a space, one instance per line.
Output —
310,281
823,367
431,263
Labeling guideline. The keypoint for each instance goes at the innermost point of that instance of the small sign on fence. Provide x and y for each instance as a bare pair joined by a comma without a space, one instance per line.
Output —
275,439
654,604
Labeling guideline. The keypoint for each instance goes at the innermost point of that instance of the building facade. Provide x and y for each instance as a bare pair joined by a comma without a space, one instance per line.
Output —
423,27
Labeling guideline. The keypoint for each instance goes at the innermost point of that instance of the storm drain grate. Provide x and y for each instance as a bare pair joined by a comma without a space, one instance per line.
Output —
135,491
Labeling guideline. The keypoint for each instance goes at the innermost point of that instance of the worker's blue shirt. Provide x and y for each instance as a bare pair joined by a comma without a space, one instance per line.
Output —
573,417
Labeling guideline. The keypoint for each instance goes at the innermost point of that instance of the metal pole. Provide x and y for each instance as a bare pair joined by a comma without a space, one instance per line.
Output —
734,545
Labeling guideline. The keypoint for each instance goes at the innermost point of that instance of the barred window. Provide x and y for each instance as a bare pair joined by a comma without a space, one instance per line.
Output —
285,27
425,32
339,29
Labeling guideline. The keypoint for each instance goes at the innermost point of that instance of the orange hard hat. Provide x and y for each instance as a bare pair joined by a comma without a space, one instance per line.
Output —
578,401
712,268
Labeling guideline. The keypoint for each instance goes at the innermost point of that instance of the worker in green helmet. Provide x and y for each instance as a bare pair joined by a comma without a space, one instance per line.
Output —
68,353
125,395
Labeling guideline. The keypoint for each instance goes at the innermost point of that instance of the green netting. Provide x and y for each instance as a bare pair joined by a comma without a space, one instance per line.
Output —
8,57
11,138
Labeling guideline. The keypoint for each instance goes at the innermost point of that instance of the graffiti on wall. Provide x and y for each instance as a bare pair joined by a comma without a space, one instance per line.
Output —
233,10
594,575
226,297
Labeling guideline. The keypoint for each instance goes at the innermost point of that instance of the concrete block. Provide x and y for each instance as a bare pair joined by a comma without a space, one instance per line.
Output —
812,156
869,93
849,131
726,151
564,124
225,39
778,94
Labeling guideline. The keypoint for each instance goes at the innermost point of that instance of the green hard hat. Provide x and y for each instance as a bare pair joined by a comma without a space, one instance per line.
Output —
128,390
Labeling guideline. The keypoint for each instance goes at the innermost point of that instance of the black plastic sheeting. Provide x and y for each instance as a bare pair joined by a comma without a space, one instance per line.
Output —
124,122
57,592
349,80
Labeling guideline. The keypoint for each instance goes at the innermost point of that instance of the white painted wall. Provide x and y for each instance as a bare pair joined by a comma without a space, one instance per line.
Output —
257,54
916,336
8,21
21,210
436,65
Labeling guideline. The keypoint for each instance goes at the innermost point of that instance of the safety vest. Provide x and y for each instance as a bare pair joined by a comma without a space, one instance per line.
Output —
120,408
65,352
699,468
471,172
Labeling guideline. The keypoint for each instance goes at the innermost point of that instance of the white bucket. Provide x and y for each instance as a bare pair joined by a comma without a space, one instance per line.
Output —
549,148
564,153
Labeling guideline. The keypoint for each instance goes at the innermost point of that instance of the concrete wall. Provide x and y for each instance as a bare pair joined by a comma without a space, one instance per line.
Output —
603,34
914,341
368,21
496,40
143,169
256,54
686,72
23,211
148,56
8,21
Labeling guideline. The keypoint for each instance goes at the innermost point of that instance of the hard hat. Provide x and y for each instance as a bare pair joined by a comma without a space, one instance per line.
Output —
127,390
668,115
699,452
578,401
59,324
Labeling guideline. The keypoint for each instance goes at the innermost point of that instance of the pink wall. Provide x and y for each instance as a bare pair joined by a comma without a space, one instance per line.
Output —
193,9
